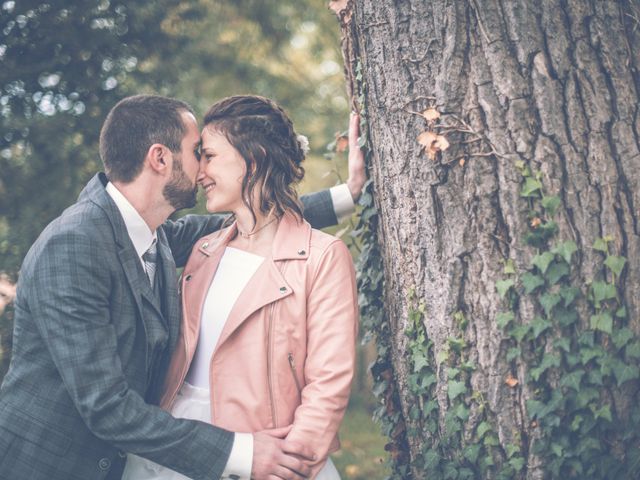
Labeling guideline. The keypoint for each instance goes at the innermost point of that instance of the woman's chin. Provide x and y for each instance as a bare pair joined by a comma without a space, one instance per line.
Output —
213,207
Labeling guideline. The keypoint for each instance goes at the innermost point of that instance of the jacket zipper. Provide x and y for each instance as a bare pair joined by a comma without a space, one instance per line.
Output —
293,371
270,365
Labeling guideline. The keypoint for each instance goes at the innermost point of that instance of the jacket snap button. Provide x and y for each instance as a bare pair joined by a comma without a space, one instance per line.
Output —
301,252
187,278
104,464
283,289
205,244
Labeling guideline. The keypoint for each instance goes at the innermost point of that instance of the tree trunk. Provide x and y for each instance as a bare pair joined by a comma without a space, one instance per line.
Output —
539,103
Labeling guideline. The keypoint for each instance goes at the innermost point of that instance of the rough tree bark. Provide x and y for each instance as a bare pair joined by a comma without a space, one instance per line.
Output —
551,83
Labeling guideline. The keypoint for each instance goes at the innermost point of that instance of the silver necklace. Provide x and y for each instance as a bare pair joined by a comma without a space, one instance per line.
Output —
250,234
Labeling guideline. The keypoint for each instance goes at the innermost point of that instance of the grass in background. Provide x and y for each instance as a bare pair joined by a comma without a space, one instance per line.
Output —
362,456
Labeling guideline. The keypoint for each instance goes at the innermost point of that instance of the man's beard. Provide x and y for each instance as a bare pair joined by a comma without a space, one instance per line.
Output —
179,191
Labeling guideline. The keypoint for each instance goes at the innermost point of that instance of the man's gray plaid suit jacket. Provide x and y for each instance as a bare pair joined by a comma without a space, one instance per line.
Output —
73,400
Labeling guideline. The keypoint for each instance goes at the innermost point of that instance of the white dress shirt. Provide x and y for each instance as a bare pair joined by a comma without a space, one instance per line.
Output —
342,202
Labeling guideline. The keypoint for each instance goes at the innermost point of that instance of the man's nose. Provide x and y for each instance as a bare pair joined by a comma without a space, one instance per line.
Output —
200,175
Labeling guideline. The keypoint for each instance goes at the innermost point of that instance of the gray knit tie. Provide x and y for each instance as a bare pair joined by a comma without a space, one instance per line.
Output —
149,258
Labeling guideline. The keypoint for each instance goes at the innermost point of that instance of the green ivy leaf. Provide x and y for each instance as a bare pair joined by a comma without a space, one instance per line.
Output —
517,463
531,187
572,380
431,459
542,261
531,281
633,350
535,408
602,322
548,301
569,294
420,361
442,356
575,423
585,396
557,449
520,332
550,204
587,338
565,316
621,312
503,286
556,271
621,337
594,377
602,291
482,429
471,453
509,267
513,353
455,389
462,412
615,264
572,359
491,441
565,250
587,354
603,412
548,361
504,318
562,343
601,245
625,372
539,325
456,344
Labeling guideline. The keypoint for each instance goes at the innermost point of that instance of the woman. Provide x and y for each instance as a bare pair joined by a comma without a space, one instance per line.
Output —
269,304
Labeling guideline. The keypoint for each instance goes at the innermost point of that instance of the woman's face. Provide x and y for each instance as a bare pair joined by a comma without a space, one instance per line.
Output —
222,169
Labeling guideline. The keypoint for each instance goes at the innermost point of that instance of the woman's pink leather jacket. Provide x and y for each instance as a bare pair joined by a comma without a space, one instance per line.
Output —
287,352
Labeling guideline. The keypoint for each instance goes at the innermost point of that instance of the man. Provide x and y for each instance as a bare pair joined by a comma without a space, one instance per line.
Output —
97,316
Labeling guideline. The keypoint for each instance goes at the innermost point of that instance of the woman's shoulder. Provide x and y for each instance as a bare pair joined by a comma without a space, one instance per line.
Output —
321,242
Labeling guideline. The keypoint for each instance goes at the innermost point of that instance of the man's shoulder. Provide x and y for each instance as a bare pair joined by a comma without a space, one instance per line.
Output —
83,217
83,223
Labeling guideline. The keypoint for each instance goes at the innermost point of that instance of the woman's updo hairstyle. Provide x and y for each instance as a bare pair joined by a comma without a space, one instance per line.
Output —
263,134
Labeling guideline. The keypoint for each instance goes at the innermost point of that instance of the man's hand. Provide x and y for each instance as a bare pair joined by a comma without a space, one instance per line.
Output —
357,175
275,458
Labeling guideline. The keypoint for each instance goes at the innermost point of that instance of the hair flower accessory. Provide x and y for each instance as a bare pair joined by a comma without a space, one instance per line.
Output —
304,143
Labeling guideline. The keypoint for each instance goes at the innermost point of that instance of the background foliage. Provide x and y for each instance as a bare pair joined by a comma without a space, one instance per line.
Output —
64,64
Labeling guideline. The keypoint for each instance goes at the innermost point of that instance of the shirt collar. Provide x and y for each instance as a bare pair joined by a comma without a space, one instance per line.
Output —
139,232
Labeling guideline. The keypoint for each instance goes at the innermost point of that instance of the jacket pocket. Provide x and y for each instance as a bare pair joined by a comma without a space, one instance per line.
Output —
292,367
31,429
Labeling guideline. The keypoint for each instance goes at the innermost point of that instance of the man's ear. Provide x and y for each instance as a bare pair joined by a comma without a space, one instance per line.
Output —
159,158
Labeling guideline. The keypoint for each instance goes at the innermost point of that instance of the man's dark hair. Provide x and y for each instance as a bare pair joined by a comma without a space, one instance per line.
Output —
132,126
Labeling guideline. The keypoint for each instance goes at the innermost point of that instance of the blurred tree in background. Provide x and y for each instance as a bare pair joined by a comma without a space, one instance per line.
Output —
64,64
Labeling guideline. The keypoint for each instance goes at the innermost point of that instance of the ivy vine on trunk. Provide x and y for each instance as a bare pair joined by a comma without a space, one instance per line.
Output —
501,277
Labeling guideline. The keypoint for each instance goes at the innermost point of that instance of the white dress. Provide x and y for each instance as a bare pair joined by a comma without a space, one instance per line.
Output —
193,401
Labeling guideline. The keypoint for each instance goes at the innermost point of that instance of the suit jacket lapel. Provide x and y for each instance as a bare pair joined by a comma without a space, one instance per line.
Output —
169,293
133,270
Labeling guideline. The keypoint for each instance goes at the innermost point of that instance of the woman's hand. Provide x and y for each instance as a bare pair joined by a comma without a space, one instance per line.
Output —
274,457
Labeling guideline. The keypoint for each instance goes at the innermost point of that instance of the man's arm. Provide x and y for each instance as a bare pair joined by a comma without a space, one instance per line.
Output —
333,206
69,299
